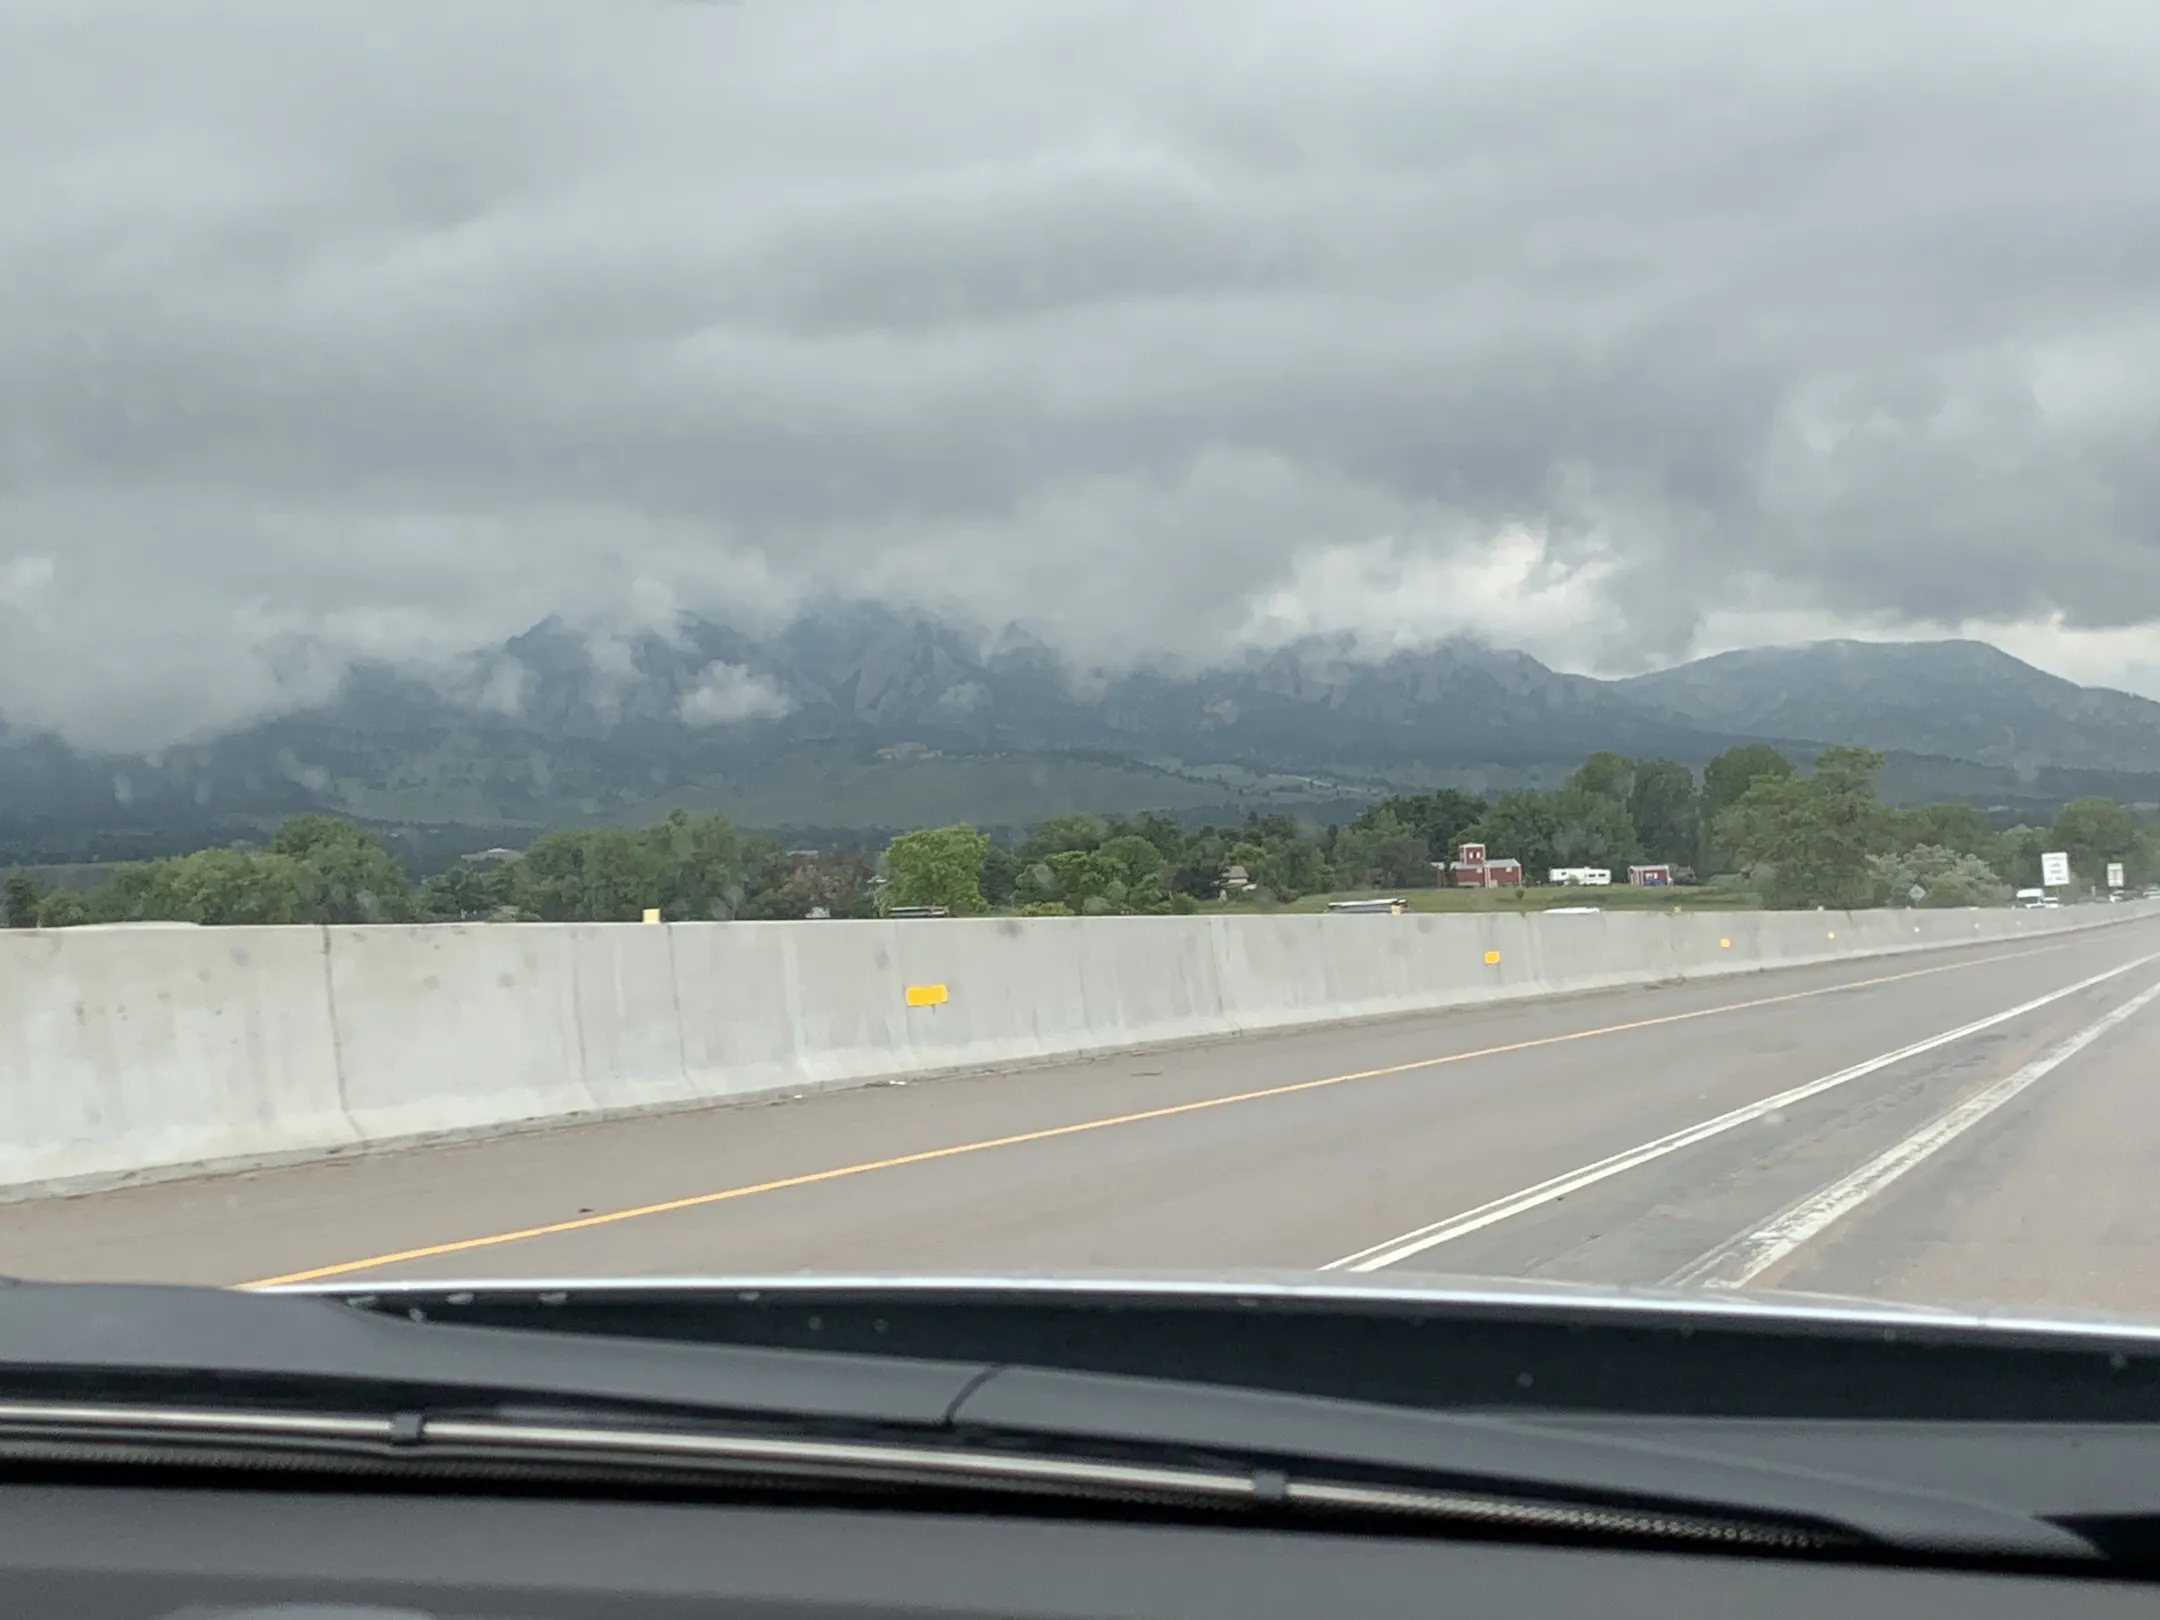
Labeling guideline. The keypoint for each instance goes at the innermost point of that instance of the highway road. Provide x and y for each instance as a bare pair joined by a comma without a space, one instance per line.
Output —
1974,1126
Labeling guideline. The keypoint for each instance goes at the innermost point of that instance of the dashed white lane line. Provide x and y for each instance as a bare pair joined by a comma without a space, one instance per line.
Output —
1740,1261
1408,1244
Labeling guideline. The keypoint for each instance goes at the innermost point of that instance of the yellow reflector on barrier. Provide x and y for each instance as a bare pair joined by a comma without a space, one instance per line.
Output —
1491,957
652,913
926,995
1724,944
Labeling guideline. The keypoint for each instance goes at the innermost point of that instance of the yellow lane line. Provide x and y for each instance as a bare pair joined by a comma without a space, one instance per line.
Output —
929,1155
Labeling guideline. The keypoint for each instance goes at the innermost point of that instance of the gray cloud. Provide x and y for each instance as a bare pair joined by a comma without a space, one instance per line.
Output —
343,330
728,693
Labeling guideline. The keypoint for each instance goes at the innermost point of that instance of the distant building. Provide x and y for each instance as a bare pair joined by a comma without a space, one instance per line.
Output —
489,857
1235,880
1590,877
1474,869
1658,876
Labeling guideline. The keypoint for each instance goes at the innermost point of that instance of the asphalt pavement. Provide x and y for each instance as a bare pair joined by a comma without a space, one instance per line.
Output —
1970,1126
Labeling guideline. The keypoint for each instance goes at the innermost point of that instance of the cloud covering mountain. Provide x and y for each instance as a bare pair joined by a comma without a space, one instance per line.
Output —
863,718
334,334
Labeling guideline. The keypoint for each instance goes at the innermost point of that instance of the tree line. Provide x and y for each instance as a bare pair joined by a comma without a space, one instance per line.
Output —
1819,838
1797,839
319,869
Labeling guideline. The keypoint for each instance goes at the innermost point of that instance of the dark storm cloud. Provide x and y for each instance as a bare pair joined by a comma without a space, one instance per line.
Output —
339,330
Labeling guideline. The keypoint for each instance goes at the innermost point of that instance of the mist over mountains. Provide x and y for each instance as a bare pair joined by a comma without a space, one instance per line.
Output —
865,718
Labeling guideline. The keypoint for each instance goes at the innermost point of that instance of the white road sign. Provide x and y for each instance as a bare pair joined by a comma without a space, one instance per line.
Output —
2055,868
2115,874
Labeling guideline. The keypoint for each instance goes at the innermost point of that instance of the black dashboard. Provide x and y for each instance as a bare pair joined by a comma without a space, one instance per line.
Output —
79,1552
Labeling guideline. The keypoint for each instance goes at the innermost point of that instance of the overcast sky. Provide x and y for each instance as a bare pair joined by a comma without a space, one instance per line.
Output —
1617,330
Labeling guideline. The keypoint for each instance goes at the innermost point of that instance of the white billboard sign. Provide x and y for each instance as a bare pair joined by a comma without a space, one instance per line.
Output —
2055,868
2115,874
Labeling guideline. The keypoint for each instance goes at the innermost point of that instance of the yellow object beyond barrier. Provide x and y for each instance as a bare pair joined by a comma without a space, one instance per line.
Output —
926,995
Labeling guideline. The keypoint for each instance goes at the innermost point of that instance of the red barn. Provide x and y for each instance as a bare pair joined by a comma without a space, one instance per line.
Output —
1475,870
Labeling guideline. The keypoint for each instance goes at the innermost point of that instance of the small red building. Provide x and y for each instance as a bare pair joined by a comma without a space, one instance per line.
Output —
1473,869
1658,876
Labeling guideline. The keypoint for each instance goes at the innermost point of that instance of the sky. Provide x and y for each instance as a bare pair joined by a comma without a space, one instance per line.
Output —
1619,331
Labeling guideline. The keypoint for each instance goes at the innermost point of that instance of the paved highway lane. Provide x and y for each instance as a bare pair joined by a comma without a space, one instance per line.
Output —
1632,1136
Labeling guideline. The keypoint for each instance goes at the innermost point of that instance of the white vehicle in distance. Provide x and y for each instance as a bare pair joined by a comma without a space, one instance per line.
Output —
2031,899
1588,877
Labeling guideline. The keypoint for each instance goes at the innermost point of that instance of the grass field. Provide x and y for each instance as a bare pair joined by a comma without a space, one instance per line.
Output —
1703,897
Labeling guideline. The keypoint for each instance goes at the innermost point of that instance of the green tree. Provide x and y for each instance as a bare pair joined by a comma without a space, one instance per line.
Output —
938,866
1519,826
233,887
1806,840
1665,811
1158,829
1137,872
1126,875
1945,877
1851,772
2016,856
353,879
1061,833
21,898
1736,770
1000,874
1440,818
62,909
1295,867
2145,857
1724,780
777,886
704,870
592,874
844,884
136,892
1379,850
1036,884
466,893
1085,883
1197,874
2094,831
1946,826
1606,774
1588,829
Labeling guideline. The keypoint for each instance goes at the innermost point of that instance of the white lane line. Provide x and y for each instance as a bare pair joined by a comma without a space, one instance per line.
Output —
1740,1261
1401,1248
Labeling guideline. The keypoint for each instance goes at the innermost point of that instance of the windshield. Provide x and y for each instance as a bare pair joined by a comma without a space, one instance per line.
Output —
1369,643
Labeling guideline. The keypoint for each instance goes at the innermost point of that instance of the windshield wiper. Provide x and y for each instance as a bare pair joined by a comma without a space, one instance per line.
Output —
74,1432
1514,1454
205,1367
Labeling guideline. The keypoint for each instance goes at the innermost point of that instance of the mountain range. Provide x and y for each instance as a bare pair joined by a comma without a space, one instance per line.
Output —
863,719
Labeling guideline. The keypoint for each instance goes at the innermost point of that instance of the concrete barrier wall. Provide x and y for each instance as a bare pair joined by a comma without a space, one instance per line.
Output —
129,1053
